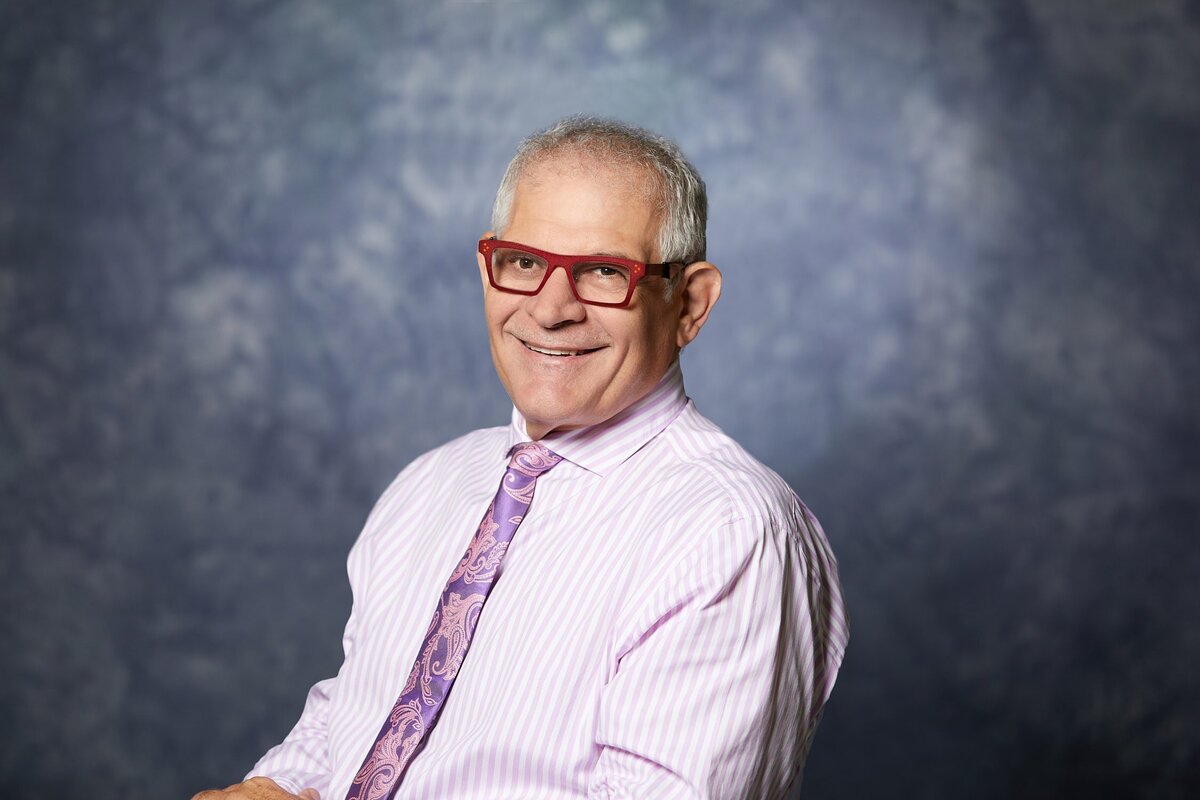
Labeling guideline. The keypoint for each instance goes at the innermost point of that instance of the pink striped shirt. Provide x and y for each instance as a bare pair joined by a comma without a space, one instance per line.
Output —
668,623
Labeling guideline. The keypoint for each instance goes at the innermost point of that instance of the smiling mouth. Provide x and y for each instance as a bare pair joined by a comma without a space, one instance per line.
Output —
546,351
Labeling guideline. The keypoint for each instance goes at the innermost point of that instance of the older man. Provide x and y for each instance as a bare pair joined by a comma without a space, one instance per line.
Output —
644,610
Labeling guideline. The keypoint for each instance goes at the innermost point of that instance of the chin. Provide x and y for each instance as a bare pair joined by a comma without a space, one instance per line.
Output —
552,411
550,418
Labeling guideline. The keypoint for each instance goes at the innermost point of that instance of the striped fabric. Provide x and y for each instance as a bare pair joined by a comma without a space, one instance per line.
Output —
668,623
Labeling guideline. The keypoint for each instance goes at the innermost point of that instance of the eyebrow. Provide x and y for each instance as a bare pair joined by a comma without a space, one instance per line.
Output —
611,254
602,254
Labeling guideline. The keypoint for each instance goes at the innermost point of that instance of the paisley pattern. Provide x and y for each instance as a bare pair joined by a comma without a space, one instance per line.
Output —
444,651
532,459
397,743
449,633
484,553
517,490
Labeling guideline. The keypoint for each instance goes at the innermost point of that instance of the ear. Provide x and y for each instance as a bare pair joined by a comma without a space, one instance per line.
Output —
479,260
699,291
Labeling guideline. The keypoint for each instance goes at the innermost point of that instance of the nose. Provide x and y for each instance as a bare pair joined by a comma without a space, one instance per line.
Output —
555,304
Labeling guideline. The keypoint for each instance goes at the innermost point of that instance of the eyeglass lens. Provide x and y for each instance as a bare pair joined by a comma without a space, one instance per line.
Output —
599,281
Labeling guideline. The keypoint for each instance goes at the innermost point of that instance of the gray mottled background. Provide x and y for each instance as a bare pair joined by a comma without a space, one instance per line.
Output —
961,243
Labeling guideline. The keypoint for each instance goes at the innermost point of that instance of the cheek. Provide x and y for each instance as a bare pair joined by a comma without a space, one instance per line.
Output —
496,309
654,333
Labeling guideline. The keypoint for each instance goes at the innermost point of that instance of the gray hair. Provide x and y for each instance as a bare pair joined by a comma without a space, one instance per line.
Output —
681,195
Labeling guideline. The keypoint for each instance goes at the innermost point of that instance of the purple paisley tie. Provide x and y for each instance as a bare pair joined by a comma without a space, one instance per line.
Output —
450,631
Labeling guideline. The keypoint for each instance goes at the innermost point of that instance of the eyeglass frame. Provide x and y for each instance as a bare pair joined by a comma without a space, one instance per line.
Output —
637,269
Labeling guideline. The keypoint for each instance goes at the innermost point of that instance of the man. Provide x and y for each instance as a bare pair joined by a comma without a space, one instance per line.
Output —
669,622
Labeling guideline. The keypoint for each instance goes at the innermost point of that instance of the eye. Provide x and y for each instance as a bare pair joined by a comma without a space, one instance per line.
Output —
601,271
519,261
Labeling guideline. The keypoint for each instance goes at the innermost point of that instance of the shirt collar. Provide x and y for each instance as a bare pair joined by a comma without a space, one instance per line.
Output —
600,448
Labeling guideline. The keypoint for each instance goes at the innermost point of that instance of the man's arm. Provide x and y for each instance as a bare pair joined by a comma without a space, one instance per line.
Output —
302,759
256,789
298,767
301,762
725,669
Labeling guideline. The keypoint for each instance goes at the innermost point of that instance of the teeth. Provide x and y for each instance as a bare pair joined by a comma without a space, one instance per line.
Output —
554,352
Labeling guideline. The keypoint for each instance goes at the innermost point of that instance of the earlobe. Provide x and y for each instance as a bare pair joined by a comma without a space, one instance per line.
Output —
699,293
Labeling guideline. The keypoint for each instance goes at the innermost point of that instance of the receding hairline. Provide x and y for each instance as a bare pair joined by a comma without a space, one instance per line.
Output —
617,178
565,159
651,162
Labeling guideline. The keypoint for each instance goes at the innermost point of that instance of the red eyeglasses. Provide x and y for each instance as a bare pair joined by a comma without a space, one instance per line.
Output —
595,280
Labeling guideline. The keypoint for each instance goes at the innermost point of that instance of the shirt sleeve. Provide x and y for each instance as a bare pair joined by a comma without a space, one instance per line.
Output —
725,668
302,759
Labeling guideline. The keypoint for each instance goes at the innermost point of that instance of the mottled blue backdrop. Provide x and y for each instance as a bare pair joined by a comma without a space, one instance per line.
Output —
962,259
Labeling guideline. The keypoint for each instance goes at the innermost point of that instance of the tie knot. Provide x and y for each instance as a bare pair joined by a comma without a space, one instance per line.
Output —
532,459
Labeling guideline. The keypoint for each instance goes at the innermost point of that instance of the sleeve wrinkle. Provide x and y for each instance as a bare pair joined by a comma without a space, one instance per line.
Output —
726,623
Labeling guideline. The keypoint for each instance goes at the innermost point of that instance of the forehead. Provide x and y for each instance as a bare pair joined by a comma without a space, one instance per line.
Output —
615,170
574,204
